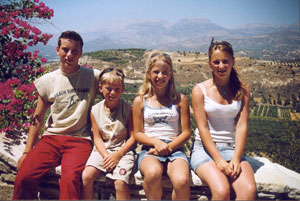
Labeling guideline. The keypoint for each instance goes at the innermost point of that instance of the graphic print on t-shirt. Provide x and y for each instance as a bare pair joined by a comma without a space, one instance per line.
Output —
160,120
73,100
71,96
160,117
114,132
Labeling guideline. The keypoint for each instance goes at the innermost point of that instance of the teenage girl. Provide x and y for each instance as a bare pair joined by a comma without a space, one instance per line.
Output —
221,109
161,124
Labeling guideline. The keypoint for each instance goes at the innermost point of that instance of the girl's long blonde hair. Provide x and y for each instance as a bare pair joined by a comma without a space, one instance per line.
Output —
146,90
237,85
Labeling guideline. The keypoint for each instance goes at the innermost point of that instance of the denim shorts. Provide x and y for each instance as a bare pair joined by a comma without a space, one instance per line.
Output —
179,153
200,155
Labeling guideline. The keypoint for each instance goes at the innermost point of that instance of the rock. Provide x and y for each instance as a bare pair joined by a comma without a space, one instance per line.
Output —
273,180
6,191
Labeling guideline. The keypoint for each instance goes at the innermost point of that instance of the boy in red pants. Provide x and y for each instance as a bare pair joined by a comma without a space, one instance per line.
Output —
69,92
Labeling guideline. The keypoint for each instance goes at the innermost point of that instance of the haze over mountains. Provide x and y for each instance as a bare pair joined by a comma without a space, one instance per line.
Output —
262,41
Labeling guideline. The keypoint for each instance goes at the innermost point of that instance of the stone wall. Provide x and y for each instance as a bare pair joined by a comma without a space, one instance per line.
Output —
273,180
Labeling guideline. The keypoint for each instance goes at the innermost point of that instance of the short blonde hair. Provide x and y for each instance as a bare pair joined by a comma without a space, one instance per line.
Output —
111,75
146,89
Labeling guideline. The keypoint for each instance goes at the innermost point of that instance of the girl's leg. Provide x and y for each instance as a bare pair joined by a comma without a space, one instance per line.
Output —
178,171
89,175
244,186
122,190
216,180
152,169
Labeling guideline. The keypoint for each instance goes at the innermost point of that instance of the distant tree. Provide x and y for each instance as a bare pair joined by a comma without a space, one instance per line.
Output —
269,100
264,100
279,102
297,107
252,102
287,101
294,100
293,74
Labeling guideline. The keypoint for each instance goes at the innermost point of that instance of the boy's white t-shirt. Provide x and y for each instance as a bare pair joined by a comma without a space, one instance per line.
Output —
71,97
112,127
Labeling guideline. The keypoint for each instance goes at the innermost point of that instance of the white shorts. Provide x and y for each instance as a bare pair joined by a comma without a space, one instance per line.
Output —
121,172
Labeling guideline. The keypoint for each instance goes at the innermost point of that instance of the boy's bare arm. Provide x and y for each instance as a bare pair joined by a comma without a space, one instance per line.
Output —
35,127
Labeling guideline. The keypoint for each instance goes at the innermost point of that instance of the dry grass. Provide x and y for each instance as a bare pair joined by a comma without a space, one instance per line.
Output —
295,116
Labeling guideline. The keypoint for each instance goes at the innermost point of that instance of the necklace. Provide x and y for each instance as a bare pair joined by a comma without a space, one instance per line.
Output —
223,91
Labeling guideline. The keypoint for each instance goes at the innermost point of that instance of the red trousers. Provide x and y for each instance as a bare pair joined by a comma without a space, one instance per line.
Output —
51,151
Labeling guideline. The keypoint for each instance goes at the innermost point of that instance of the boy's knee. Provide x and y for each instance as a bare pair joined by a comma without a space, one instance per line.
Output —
25,178
87,177
120,185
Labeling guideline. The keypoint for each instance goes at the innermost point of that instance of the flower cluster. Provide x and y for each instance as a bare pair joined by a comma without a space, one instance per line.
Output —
86,66
17,103
17,34
19,68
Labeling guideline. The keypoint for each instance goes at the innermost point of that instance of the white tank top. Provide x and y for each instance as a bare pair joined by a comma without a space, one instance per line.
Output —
161,123
220,118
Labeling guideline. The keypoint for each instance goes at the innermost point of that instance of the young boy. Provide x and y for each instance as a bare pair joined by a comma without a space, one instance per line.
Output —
112,126
69,92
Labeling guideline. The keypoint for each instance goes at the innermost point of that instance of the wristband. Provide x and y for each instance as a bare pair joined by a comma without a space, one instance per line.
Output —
25,152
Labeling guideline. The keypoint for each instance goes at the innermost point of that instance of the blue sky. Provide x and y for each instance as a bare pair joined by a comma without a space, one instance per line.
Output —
85,15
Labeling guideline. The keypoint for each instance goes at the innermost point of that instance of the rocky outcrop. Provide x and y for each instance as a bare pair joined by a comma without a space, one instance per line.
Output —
273,180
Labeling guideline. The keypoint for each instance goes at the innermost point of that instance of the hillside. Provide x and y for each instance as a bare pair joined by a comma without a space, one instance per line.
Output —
267,79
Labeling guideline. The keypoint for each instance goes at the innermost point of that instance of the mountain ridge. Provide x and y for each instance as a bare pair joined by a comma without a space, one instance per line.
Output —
262,41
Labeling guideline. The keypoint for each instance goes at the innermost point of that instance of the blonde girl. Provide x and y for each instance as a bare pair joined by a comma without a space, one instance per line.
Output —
161,124
221,109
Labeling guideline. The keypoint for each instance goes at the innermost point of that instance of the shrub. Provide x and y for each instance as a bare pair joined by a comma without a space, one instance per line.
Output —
18,67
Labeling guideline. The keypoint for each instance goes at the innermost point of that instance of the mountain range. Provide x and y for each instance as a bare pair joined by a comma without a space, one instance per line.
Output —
261,41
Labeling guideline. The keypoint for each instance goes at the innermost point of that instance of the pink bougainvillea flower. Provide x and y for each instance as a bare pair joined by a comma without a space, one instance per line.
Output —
44,60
